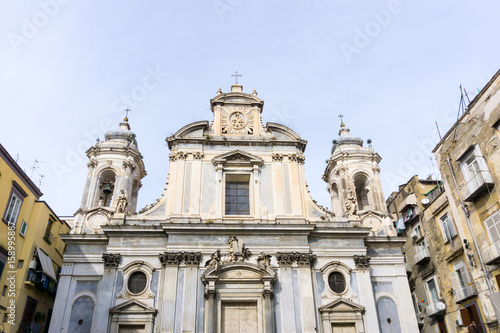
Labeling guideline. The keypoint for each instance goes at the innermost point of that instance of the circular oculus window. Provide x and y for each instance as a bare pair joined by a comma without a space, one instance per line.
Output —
137,282
336,282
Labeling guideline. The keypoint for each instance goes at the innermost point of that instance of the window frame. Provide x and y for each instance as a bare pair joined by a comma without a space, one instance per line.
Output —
238,177
428,290
24,225
495,226
445,224
471,155
17,193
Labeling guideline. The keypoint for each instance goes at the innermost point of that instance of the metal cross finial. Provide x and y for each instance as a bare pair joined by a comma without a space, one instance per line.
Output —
236,76
127,110
341,116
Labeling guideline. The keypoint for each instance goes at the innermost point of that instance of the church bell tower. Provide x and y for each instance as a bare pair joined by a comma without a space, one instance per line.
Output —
115,170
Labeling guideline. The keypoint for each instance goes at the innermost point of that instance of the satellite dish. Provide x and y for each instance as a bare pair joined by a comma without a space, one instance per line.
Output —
425,201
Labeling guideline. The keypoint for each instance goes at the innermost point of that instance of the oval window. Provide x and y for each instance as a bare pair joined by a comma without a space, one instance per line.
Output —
137,282
336,282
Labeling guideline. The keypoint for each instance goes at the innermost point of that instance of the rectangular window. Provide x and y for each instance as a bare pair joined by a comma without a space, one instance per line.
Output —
22,230
432,290
48,237
12,210
4,290
3,260
20,264
237,195
476,173
492,224
447,228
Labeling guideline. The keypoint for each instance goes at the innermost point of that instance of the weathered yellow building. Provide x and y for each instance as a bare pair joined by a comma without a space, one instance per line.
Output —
468,157
30,251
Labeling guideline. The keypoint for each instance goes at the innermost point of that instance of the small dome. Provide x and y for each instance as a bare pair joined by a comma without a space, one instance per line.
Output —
345,139
122,133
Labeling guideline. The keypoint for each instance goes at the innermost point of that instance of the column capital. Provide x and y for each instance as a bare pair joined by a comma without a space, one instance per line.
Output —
111,260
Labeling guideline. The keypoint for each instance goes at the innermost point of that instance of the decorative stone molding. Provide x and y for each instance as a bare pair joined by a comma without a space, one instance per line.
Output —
170,258
210,294
128,164
362,261
264,259
111,260
305,259
198,155
285,259
180,155
237,250
297,158
176,258
268,294
376,169
341,169
302,259
277,157
214,261
192,258
92,163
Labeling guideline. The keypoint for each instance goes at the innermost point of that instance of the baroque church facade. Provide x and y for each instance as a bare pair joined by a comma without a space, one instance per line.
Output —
235,243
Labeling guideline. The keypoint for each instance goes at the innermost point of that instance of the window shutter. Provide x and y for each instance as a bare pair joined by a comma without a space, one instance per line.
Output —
492,224
465,275
454,282
453,231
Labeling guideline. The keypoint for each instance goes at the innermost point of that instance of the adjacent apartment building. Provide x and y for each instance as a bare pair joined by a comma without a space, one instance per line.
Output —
468,157
30,251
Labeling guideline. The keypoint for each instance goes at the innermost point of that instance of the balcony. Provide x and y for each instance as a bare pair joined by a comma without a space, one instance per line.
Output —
408,268
465,293
422,256
48,237
480,183
491,254
40,281
435,309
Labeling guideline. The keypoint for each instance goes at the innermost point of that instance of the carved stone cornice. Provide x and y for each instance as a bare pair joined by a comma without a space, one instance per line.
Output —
128,164
92,163
301,259
111,260
192,258
176,258
285,259
305,259
170,258
277,157
362,261
297,158
197,155
210,294
268,294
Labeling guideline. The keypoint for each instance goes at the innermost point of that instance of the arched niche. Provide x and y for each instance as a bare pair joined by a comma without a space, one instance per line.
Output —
82,313
239,292
362,188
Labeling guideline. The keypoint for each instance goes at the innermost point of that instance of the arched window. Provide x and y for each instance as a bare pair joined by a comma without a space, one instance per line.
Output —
106,188
361,185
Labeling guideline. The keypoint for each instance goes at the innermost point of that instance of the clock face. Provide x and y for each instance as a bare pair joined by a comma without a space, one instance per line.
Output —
372,222
95,221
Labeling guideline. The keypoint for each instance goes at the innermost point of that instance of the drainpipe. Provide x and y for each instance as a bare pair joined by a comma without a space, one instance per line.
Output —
470,226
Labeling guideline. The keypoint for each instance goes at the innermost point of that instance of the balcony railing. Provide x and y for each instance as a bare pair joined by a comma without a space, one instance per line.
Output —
491,254
481,182
422,256
436,308
41,281
465,293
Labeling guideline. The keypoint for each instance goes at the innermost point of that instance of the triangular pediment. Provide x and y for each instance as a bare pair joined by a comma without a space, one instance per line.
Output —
132,306
342,305
237,156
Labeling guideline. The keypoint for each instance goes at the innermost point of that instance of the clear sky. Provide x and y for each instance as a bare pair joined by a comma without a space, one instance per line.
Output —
392,68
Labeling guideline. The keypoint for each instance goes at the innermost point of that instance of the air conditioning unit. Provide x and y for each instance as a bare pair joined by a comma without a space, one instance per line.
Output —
32,264
414,234
459,321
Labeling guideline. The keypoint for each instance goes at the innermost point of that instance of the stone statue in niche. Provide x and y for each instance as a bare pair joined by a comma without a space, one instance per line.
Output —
121,207
214,261
350,203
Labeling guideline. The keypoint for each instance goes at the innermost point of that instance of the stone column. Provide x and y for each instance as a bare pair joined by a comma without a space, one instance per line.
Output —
288,314
168,289
256,191
210,314
268,311
61,304
192,261
105,293
366,291
305,262
218,191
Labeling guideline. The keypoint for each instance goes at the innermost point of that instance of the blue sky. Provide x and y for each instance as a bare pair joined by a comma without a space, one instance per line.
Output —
392,68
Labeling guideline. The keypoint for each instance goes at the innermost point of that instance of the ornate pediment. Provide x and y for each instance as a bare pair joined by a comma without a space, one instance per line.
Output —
342,305
237,157
132,306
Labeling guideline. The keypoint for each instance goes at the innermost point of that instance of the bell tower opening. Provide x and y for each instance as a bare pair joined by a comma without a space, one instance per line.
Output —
361,185
106,188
